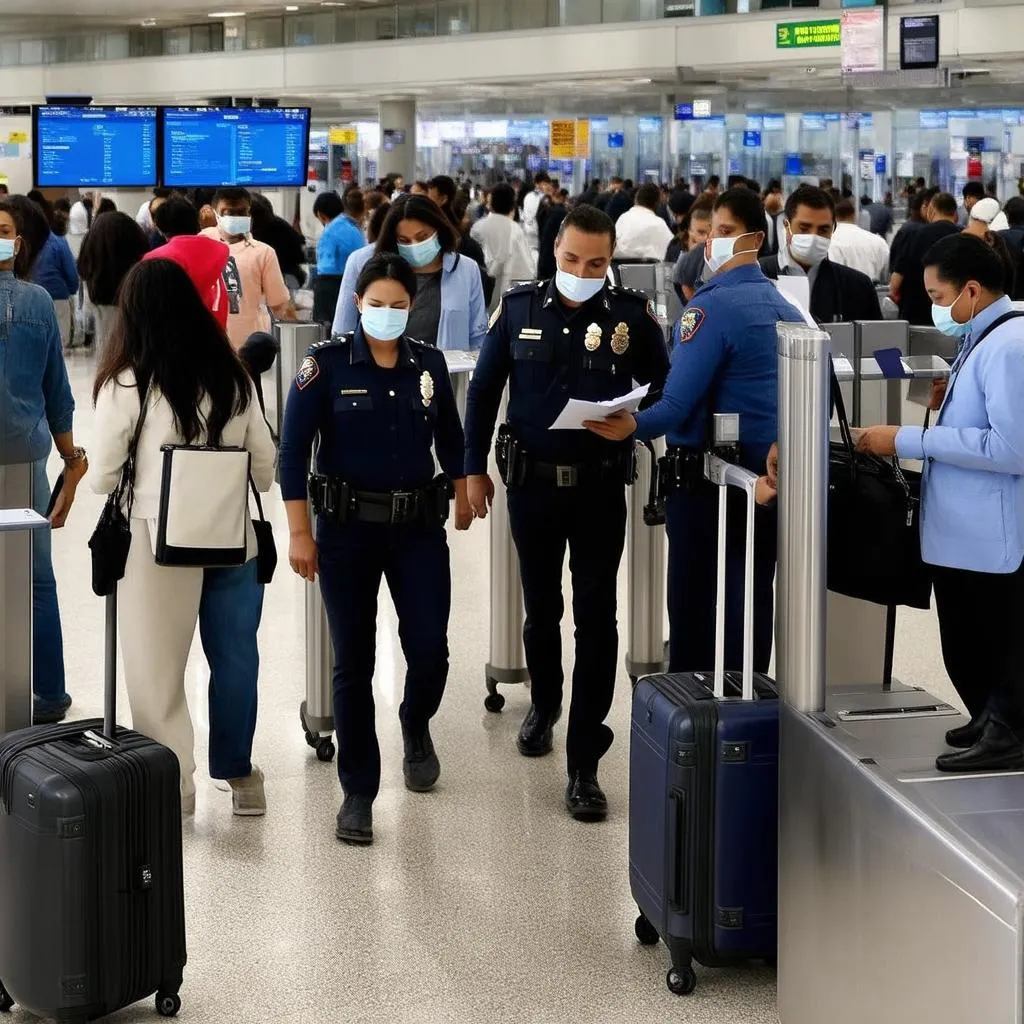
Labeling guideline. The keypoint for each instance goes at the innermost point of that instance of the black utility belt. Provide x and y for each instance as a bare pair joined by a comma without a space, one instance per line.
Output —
680,469
517,466
340,502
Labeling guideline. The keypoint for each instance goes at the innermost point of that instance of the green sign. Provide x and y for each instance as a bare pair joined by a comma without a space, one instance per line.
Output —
798,34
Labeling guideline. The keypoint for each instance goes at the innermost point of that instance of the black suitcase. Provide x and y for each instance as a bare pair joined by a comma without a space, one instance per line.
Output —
92,910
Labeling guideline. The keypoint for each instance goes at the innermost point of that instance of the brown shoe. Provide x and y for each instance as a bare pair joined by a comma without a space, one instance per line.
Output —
248,799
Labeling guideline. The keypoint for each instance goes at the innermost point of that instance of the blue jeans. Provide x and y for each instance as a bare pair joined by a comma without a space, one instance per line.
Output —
47,637
229,618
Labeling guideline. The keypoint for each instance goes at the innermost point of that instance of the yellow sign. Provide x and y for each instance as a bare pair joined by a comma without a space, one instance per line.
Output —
582,140
20,138
563,140
343,136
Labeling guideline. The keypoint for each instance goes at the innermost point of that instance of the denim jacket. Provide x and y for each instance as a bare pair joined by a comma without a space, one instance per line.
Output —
35,394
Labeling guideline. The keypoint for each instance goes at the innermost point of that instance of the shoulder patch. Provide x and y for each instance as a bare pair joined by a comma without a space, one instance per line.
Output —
689,322
308,372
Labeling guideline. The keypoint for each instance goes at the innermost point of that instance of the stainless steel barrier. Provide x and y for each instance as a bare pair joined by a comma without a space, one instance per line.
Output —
295,339
18,523
460,369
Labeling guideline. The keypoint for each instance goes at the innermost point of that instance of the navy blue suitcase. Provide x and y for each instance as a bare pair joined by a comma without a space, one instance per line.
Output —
703,804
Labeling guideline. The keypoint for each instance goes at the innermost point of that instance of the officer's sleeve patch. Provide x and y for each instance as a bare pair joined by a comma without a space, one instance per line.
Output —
495,315
689,322
308,372
652,311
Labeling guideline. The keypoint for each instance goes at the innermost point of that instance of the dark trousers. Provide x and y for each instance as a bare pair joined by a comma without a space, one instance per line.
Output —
981,616
326,288
591,522
692,524
414,561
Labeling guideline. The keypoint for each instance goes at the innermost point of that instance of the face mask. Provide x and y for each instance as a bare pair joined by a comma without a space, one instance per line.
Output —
577,289
7,250
234,226
942,317
385,323
809,249
721,251
420,254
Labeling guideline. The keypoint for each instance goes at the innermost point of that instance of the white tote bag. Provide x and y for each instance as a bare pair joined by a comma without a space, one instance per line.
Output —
204,506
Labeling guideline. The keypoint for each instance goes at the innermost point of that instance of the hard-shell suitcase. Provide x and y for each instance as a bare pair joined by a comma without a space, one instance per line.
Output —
703,796
92,912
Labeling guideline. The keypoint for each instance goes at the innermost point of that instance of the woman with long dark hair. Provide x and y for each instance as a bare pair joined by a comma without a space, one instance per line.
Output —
450,312
55,270
114,244
168,355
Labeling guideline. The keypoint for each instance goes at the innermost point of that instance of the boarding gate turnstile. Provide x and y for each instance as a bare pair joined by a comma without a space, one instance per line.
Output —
18,523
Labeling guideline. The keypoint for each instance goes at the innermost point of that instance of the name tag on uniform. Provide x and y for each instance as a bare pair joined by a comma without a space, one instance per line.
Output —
354,391
531,334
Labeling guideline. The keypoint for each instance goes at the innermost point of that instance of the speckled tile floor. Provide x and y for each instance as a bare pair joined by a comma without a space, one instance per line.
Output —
479,902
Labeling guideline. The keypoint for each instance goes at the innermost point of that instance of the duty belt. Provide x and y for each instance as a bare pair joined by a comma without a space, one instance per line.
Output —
576,473
338,501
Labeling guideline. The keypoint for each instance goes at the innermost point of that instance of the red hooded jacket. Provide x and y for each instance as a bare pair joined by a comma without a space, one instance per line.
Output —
204,260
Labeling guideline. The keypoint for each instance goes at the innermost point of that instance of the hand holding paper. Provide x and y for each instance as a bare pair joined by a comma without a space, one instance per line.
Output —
577,414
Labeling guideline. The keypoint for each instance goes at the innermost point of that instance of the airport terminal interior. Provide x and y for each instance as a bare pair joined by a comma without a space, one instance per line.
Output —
483,900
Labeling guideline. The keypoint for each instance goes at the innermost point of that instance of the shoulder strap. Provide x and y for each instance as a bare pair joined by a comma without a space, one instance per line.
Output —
126,486
1014,314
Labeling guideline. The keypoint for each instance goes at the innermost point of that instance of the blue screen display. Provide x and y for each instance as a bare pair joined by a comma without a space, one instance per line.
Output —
216,146
79,147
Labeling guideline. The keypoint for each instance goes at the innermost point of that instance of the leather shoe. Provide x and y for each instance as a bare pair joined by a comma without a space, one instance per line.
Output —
584,799
967,735
421,766
355,821
998,749
50,712
536,735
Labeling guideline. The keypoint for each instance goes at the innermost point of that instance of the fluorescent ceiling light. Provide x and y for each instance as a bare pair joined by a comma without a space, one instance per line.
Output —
227,14
292,7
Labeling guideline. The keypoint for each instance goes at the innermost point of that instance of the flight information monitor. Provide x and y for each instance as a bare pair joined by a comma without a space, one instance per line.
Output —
919,42
213,146
90,147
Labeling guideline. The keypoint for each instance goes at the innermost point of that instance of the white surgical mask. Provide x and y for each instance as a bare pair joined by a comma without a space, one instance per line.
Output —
8,249
809,249
385,323
577,289
721,251
234,226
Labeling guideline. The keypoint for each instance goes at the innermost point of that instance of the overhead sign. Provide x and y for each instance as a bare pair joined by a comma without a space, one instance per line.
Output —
343,136
701,108
751,140
684,112
919,42
562,145
863,40
582,140
616,140
800,34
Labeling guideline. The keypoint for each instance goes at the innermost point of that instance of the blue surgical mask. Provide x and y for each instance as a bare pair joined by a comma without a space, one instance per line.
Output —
942,317
420,254
234,226
577,289
7,250
385,323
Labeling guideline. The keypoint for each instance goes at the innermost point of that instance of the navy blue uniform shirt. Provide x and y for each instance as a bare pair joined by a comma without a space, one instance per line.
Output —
724,360
550,353
377,425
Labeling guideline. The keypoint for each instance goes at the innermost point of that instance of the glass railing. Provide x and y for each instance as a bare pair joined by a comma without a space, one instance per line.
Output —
337,23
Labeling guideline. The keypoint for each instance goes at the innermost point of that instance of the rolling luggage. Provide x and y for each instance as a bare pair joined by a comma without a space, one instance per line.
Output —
92,912
316,713
703,795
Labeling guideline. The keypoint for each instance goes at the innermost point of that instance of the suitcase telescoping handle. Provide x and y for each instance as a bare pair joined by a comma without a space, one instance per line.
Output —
726,475
110,667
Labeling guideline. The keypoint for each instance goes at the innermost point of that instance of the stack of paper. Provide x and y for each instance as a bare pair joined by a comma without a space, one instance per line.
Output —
576,411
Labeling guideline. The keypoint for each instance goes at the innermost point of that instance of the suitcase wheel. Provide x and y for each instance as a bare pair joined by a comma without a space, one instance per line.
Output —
494,701
168,1004
646,933
325,749
6,1002
681,981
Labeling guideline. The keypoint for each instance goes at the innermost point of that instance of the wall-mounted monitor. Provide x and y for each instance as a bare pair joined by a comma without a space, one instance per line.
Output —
919,42
94,147
249,146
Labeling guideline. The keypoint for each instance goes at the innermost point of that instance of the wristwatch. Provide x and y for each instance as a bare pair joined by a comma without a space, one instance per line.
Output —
77,455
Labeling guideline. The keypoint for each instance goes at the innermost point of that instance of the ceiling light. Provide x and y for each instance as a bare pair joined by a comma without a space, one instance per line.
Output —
148,22
291,8
332,3
227,14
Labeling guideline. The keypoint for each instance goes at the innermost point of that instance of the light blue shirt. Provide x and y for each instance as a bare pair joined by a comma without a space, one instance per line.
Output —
972,505
339,240
463,323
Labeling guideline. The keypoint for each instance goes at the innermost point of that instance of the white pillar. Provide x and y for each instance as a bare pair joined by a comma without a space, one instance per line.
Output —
398,157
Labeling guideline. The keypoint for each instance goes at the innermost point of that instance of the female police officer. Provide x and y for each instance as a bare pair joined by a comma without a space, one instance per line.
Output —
378,402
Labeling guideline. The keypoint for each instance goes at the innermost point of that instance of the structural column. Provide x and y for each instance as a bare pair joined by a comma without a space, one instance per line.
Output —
398,139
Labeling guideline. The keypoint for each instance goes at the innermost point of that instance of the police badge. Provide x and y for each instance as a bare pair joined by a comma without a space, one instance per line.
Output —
426,388
592,340
620,339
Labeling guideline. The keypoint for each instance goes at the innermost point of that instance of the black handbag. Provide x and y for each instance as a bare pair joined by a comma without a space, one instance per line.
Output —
266,548
874,539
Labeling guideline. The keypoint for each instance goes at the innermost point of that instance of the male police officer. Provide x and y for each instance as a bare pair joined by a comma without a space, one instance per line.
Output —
724,361
575,337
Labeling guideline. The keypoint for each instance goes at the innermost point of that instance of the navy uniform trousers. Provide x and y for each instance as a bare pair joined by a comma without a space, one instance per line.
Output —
413,558
590,520
692,524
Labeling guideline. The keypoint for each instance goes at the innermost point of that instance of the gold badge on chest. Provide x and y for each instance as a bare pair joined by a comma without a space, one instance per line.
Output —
592,339
426,388
620,339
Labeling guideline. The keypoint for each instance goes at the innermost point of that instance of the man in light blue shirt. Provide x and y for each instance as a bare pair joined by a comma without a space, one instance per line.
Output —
972,513
341,237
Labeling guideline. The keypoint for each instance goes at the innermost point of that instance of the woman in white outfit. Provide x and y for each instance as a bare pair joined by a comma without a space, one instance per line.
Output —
506,249
168,350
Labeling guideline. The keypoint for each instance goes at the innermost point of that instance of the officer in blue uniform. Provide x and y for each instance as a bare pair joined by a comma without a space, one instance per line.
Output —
573,337
378,402
723,361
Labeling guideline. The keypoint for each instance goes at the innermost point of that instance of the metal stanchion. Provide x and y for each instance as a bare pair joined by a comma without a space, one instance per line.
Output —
17,524
295,339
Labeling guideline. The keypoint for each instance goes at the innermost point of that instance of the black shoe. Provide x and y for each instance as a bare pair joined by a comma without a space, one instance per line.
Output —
998,749
421,766
584,799
355,821
536,735
50,712
967,735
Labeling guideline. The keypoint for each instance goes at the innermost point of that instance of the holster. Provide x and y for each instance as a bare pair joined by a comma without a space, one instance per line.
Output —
680,469
510,457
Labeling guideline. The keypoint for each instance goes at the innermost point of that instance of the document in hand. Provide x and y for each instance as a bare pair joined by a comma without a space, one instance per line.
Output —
576,411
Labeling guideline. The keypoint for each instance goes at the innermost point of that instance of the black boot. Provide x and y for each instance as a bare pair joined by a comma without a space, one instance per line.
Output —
421,766
536,735
967,735
998,749
584,799
355,820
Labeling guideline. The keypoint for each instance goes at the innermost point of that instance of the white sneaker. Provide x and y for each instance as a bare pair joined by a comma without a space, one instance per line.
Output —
188,805
248,799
